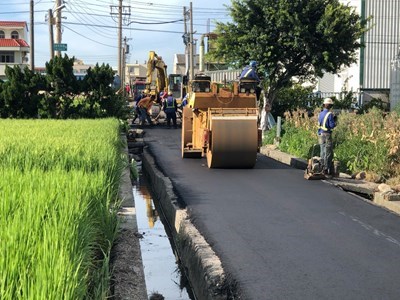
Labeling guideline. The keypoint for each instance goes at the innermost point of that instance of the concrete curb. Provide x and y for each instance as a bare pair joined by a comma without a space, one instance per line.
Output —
390,202
201,264
285,158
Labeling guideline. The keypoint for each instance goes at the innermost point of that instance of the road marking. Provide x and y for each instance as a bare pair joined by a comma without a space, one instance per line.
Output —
372,229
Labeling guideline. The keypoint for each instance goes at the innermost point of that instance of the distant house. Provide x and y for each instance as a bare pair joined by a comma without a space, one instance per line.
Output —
179,64
135,71
79,68
13,47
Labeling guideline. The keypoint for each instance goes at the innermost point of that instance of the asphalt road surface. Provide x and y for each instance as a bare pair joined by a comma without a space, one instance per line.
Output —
281,236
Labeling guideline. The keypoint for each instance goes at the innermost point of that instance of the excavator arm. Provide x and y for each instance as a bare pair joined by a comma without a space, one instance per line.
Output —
156,77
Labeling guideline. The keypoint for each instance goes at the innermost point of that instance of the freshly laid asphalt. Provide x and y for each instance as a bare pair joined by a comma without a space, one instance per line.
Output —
281,236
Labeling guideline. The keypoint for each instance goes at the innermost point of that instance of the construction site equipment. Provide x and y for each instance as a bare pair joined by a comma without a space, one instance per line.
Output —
138,86
158,80
177,85
156,77
315,169
220,123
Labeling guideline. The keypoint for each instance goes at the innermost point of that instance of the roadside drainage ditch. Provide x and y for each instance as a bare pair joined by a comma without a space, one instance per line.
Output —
192,267
162,270
163,274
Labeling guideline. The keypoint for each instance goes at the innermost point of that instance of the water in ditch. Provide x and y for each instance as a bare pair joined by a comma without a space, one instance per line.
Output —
162,271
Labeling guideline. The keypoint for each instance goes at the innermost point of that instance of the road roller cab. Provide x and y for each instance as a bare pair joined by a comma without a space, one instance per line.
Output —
220,123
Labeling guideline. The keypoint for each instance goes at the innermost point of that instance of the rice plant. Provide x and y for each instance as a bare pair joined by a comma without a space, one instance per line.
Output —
58,189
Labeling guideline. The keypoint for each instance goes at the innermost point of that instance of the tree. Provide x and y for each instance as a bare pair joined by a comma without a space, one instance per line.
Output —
60,75
63,83
295,97
101,99
19,97
290,39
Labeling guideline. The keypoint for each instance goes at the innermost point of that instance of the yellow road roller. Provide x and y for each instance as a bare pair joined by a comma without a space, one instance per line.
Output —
221,123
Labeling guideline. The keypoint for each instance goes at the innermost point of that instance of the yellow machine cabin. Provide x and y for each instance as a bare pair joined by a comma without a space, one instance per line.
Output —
221,123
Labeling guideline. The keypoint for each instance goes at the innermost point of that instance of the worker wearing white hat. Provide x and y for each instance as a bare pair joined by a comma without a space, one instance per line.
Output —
326,121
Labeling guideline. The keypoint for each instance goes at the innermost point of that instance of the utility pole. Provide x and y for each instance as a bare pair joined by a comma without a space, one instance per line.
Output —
122,11
50,20
58,24
186,40
32,35
120,40
124,52
191,54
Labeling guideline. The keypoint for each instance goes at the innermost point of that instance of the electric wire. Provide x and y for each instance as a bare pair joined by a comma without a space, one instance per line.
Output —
83,6
80,19
97,42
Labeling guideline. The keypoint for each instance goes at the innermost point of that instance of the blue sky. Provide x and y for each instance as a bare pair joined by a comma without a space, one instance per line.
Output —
90,31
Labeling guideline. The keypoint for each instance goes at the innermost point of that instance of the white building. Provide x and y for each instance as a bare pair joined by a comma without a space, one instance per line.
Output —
370,76
136,70
13,47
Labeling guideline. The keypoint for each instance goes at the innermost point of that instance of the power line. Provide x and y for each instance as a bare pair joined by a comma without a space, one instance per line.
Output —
155,23
80,19
26,3
97,42
125,28
20,12
84,7
159,20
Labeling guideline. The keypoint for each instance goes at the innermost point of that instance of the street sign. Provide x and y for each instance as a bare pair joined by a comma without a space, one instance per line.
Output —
59,47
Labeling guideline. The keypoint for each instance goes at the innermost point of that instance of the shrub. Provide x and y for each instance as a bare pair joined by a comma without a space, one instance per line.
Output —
297,141
365,142
269,136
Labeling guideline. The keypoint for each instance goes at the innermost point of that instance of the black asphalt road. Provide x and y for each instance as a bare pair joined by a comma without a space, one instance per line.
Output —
281,236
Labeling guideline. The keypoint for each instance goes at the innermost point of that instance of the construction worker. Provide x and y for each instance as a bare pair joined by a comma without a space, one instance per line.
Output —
137,99
162,96
326,122
185,100
249,72
145,105
170,107
265,123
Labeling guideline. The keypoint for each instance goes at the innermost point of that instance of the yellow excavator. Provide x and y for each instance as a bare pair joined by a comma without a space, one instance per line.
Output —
156,76
221,123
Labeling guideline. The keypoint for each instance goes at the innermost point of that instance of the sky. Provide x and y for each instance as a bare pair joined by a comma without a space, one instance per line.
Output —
91,34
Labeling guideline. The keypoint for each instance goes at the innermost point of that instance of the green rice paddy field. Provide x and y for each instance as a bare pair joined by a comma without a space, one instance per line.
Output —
58,191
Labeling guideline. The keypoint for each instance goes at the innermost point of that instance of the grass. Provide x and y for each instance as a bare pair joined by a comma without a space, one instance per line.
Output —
366,142
59,186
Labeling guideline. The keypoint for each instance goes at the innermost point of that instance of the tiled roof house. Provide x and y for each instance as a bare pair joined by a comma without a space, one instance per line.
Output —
13,47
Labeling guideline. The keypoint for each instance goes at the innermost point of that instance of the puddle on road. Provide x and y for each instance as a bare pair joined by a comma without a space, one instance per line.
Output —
161,269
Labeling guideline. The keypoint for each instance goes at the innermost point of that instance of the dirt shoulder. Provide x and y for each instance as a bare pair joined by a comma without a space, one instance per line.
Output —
128,281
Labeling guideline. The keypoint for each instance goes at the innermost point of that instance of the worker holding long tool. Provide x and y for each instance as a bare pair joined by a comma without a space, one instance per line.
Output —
326,121
137,99
145,105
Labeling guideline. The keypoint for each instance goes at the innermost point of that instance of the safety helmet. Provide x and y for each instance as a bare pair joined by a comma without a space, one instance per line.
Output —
145,91
170,93
253,64
328,101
